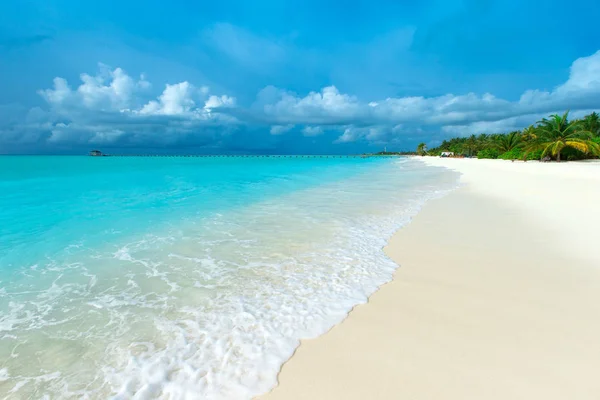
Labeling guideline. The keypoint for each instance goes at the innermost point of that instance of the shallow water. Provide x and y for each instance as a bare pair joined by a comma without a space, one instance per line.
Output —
187,277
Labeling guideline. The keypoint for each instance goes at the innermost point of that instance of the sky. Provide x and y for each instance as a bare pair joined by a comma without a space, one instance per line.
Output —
266,76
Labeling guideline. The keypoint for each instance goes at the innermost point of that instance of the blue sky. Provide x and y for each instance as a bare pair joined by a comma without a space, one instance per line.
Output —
284,77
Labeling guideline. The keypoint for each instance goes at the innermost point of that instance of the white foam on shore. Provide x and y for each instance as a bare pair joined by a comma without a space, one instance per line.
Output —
213,309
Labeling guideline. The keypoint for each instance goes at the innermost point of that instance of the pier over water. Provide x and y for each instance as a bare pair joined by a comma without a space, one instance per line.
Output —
253,155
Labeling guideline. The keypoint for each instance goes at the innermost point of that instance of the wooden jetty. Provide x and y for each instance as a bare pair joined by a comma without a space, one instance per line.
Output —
252,155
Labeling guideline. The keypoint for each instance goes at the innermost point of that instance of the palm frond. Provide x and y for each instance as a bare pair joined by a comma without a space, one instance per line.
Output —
580,145
547,148
585,134
557,147
594,148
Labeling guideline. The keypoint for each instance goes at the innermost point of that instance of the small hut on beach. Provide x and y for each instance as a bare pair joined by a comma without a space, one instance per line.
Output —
447,154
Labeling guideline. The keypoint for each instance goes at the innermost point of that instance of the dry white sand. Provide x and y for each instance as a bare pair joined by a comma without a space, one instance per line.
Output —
497,297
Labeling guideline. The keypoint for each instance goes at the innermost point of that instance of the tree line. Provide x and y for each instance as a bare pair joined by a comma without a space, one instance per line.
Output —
553,138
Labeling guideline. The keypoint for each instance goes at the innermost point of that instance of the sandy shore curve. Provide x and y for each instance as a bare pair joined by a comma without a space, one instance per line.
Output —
497,297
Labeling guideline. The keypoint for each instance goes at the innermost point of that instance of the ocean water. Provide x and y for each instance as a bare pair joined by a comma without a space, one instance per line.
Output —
185,278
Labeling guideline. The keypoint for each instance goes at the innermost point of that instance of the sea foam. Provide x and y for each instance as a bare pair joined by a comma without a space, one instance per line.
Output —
211,306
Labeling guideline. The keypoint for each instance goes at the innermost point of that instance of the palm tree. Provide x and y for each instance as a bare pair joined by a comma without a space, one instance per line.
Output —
558,132
509,142
484,139
591,123
471,145
529,133
421,149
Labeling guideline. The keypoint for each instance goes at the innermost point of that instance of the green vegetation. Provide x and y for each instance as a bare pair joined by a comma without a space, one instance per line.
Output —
558,133
554,138
509,142
591,123
488,153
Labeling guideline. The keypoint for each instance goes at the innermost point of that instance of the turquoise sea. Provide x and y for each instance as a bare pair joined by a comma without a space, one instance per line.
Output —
179,278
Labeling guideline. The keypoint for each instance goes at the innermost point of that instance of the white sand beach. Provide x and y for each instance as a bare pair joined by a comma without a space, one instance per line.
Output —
497,297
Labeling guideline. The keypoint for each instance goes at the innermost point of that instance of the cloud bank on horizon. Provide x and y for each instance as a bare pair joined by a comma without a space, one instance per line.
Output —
245,95
114,107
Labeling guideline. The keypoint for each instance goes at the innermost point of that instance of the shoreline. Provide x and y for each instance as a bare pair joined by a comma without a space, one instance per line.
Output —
272,288
444,329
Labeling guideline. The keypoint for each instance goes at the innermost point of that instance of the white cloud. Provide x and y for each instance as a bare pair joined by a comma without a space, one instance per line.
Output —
317,107
453,113
116,95
109,90
505,125
115,91
215,102
59,94
312,130
111,105
372,134
176,99
580,93
350,134
77,133
582,87
280,129
584,75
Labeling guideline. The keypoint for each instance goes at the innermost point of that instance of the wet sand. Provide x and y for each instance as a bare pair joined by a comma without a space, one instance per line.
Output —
497,297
